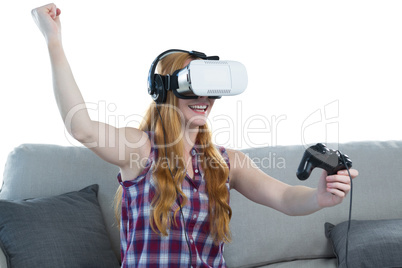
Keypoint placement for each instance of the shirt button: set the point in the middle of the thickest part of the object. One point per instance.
(195, 216)
(196, 171)
(195, 190)
(193, 152)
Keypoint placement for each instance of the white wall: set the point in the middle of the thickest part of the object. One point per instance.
(319, 71)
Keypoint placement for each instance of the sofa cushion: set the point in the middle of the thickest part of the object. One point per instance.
(59, 231)
(375, 243)
(44, 170)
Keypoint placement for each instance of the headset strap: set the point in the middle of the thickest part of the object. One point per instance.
(203, 56)
(172, 80)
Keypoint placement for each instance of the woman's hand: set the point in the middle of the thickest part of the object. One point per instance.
(334, 188)
(48, 21)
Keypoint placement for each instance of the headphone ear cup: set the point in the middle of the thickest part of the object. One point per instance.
(159, 95)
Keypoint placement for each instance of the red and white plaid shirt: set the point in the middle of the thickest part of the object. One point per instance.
(142, 247)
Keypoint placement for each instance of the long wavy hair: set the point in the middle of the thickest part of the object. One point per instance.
(215, 168)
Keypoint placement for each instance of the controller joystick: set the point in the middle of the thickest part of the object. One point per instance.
(320, 156)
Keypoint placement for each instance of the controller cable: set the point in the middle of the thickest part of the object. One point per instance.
(177, 192)
(350, 210)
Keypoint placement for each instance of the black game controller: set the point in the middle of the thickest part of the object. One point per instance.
(320, 156)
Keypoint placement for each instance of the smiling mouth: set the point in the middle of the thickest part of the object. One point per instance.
(199, 108)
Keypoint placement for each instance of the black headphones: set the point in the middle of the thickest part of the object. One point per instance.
(158, 85)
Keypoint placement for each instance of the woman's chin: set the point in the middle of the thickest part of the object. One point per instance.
(198, 122)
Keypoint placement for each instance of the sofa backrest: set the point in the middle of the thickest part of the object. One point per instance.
(262, 236)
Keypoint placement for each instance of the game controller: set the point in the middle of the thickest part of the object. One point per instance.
(320, 156)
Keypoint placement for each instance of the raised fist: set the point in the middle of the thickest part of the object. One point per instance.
(48, 20)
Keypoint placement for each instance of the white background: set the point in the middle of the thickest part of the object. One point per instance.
(319, 71)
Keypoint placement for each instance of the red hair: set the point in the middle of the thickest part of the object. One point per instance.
(215, 168)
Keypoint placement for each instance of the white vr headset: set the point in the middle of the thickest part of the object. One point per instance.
(206, 77)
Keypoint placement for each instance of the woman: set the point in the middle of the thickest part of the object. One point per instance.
(175, 183)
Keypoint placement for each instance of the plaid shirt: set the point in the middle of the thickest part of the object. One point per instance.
(142, 247)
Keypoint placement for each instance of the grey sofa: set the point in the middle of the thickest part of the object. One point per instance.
(262, 237)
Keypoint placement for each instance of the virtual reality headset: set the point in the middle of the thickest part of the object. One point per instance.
(206, 77)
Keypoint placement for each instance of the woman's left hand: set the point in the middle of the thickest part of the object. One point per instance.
(333, 189)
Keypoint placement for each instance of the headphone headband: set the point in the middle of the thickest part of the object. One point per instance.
(155, 82)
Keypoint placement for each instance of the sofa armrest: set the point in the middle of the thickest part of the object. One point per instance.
(3, 260)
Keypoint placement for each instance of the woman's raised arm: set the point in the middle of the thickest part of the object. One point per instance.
(121, 143)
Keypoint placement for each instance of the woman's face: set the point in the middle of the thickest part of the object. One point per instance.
(195, 111)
